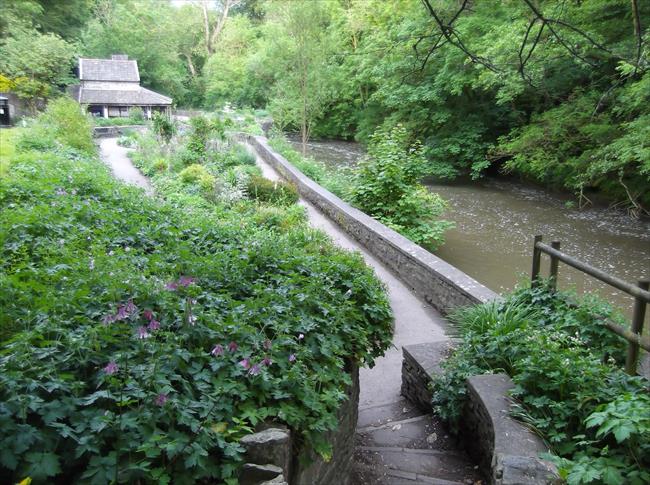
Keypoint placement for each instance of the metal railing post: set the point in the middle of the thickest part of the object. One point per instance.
(537, 257)
(552, 274)
(638, 316)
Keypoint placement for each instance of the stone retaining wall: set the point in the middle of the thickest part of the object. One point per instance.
(507, 451)
(112, 131)
(419, 363)
(439, 283)
(274, 454)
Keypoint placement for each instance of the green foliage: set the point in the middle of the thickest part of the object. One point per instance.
(163, 127)
(62, 122)
(387, 186)
(593, 416)
(119, 311)
(274, 192)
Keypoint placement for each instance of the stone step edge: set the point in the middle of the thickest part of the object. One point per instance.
(414, 451)
(367, 429)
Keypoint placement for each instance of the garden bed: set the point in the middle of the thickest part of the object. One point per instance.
(142, 337)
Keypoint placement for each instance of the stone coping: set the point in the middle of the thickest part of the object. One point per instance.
(107, 131)
(439, 283)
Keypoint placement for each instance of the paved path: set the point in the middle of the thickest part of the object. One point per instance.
(115, 156)
(395, 441)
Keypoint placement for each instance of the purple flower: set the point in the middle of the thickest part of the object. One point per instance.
(148, 314)
(217, 351)
(267, 361)
(106, 319)
(171, 286)
(301, 336)
(130, 307)
(60, 191)
(186, 281)
(161, 399)
(153, 325)
(253, 371)
(121, 313)
(142, 333)
(292, 358)
(232, 346)
(246, 364)
(111, 367)
(267, 344)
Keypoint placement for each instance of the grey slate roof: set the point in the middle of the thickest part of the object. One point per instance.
(108, 70)
(139, 97)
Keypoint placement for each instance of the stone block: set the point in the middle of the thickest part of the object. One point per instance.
(254, 474)
(269, 446)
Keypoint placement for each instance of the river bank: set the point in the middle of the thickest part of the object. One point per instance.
(496, 221)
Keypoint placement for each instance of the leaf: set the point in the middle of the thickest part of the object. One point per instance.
(43, 465)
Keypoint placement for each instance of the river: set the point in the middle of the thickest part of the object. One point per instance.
(496, 221)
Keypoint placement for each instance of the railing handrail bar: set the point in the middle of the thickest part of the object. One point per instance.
(622, 285)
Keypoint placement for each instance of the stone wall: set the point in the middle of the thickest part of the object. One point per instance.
(439, 283)
(419, 363)
(507, 451)
(112, 131)
(273, 455)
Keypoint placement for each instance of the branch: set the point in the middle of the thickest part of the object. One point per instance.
(447, 30)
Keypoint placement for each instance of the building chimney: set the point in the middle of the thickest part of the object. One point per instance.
(119, 57)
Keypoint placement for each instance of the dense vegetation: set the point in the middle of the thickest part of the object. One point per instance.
(568, 382)
(141, 337)
(555, 91)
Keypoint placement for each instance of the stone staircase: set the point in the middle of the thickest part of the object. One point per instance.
(402, 442)
(397, 444)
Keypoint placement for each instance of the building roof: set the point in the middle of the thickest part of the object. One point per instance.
(131, 97)
(108, 70)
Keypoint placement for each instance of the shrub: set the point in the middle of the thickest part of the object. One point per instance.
(387, 186)
(197, 174)
(136, 116)
(163, 127)
(554, 351)
(141, 339)
(63, 123)
(273, 192)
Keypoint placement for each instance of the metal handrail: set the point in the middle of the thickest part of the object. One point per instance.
(639, 292)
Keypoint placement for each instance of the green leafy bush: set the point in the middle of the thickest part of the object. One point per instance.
(273, 192)
(141, 338)
(197, 174)
(62, 123)
(387, 186)
(555, 352)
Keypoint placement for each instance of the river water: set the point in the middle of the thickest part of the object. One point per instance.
(496, 221)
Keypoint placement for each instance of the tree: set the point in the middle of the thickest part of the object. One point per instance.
(299, 39)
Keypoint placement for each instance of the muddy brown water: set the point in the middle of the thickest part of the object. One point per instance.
(496, 221)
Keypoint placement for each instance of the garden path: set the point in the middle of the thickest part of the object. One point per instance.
(115, 156)
(396, 443)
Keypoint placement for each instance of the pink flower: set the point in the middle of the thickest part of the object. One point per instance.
(267, 361)
(292, 358)
(106, 319)
(186, 281)
(161, 399)
(171, 286)
(142, 333)
(217, 350)
(111, 367)
(255, 370)
(232, 346)
(121, 313)
(148, 314)
(130, 307)
(267, 344)
(153, 325)
(246, 364)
